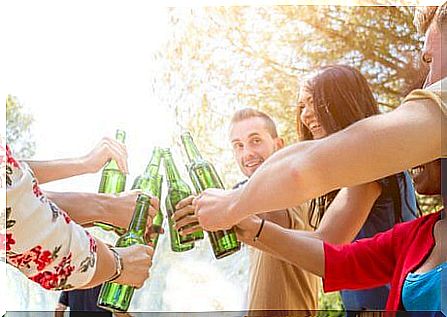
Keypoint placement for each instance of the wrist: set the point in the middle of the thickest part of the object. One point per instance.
(118, 260)
(86, 165)
(248, 228)
(236, 209)
(259, 231)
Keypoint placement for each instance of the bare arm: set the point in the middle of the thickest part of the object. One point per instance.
(289, 245)
(83, 208)
(106, 149)
(247, 229)
(47, 171)
(186, 223)
(86, 208)
(347, 213)
(369, 149)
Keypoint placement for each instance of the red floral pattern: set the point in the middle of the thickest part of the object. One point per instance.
(9, 241)
(36, 189)
(92, 242)
(48, 262)
(66, 216)
(58, 279)
(64, 269)
(9, 159)
(47, 279)
(35, 255)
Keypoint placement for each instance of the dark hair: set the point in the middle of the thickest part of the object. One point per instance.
(341, 96)
(247, 113)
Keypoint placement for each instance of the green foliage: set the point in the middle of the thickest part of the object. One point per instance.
(219, 59)
(18, 129)
(429, 204)
(330, 304)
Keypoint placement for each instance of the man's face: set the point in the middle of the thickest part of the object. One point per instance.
(427, 178)
(252, 144)
(433, 55)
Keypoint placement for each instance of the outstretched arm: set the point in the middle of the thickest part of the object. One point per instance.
(369, 149)
(286, 244)
(106, 149)
(363, 264)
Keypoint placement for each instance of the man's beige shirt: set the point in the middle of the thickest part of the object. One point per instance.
(278, 285)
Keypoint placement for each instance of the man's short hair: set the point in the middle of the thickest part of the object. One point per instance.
(424, 16)
(248, 113)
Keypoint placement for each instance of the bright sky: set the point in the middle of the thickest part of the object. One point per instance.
(83, 69)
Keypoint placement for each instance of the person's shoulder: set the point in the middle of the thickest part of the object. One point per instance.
(426, 221)
(435, 92)
(440, 85)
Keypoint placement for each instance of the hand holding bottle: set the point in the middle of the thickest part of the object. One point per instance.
(119, 209)
(186, 221)
(216, 209)
(104, 151)
(137, 259)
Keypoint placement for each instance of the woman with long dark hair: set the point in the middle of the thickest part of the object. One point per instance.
(331, 100)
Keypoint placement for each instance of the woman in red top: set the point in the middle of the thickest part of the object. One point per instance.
(388, 257)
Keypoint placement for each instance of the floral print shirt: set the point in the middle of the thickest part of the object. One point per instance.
(41, 239)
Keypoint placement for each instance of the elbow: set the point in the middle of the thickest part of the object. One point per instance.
(307, 178)
(296, 173)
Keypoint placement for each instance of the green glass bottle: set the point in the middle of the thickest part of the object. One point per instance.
(117, 297)
(177, 191)
(151, 182)
(157, 222)
(203, 175)
(176, 245)
(113, 181)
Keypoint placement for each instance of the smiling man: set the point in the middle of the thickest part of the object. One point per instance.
(274, 283)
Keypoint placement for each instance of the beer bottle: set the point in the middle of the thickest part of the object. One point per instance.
(177, 191)
(203, 176)
(117, 297)
(151, 182)
(113, 181)
(157, 222)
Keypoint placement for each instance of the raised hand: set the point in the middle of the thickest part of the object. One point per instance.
(104, 151)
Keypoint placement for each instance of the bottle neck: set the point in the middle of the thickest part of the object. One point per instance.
(191, 149)
(140, 214)
(120, 136)
(171, 170)
(154, 164)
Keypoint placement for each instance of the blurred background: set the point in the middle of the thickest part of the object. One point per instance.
(76, 72)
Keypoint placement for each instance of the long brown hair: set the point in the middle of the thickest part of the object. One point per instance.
(341, 96)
